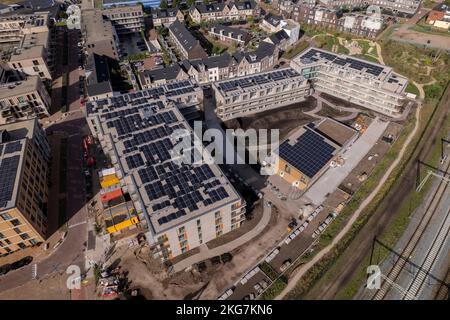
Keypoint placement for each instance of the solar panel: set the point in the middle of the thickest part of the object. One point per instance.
(8, 171)
(13, 147)
(308, 154)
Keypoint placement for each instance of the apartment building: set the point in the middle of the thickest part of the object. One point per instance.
(271, 23)
(24, 172)
(99, 35)
(184, 41)
(260, 92)
(165, 17)
(179, 206)
(23, 100)
(327, 18)
(228, 34)
(125, 19)
(238, 10)
(370, 85)
(215, 68)
(144, 3)
(406, 7)
(24, 40)
(14, 28)
(157, 77)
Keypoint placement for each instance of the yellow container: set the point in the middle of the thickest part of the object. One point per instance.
(109, 180)
(123, 224)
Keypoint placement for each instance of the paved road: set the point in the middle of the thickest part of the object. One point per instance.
(71, 250)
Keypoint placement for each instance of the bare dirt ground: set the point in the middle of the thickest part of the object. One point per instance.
(285, 119)
(354, 255)
(151, 277)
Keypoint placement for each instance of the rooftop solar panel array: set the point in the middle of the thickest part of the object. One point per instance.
(145, 127)
(316, 55)
(8, 171)
(308, 154)
(257, 79)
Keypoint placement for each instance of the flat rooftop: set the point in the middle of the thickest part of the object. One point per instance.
(307, 151)
(335, 131)
(142, 126)
(17, 88)
(257, 81)
(389, 80)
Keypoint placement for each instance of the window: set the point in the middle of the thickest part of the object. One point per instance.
(36, 69)
(6, 216)
(41, 74)
(35, 62)
(15, 222)
(21, 245)
(25, 236)
(33, 242)
(17, 230)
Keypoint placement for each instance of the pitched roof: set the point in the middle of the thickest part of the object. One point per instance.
(164, 13)
(278, 37)
(183, 35)
(273, 20)
(168, 73)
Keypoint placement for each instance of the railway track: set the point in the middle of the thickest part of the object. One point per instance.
(403, 259)
(418, 282)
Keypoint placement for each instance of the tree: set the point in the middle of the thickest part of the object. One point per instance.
(206, 1)
(163, 4)
(189, 3)
(175, 3)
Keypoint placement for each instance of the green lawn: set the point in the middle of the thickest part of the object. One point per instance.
(98, 3)
(411, 88)
(299, 47)
(366, 57)
(430, 30)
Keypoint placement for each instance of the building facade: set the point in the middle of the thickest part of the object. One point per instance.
(23, 100)
(126, 19)
(24, 172)
(214, 68)
(248, 95)
(223, 11)
(228, 34)
(180, 206)
(184, 41)
(24, 40)
(370, 85)
(165, 17)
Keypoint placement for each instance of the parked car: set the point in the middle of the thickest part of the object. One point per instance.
(4, 269)
(21, 263)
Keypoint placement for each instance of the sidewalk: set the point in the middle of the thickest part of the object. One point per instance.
(206, 253)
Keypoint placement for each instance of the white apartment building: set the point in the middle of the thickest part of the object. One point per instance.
(180, 206)
(260, 92)
(23, 100)
(370, 85)
(408, 7)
